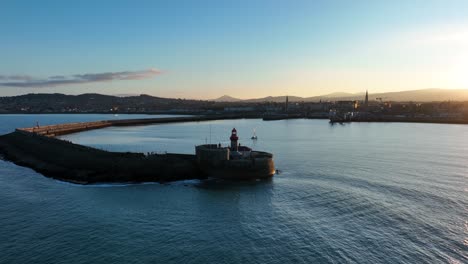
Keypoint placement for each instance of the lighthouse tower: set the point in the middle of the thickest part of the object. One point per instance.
(234, 139)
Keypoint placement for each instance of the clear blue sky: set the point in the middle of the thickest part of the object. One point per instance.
(204, 49)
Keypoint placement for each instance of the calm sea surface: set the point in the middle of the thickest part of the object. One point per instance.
(354, 193)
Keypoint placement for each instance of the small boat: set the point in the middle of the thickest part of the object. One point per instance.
(254, 137)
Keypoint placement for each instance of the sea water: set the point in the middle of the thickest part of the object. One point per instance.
(353, 193)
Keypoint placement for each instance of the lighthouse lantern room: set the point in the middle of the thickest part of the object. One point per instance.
(234, 138)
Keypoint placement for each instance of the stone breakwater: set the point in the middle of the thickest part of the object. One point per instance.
(38, 149)
(69, 128)
(70, 162)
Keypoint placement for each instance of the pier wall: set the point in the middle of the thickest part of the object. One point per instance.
(66, 161)
(69, 128)
(211, 154)
(39, 149)
(62, 129)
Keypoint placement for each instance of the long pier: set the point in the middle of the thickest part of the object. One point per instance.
(69, 128)
(39, 149)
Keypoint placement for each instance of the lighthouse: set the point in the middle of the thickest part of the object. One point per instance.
(234, 139)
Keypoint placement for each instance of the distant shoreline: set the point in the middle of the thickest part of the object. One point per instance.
(196, 116)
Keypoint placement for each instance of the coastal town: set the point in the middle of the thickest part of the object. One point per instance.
(368, 108)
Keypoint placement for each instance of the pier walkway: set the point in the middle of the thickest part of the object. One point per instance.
(69, 128)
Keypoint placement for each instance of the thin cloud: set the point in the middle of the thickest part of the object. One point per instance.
(24, 81)
(16, 78)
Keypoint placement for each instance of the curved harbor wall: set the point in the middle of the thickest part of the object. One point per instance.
(37, 148)
(80, 164)
(63, 129)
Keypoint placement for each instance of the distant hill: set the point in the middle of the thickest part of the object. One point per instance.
(275, 99)
(326, 97)
(341, 94)
(424, 95)
(125, 95)
(44, 103)
(227, 98)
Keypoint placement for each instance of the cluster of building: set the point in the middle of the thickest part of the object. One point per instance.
(364, 108)
(94, 103)
(380, 108)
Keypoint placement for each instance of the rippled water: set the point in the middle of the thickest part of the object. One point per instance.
(367, 193)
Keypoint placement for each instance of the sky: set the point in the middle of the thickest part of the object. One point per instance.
(245, 49)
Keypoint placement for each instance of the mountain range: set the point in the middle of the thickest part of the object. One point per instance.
(424, 95)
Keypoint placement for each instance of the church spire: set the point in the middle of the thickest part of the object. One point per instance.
(366, 101)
